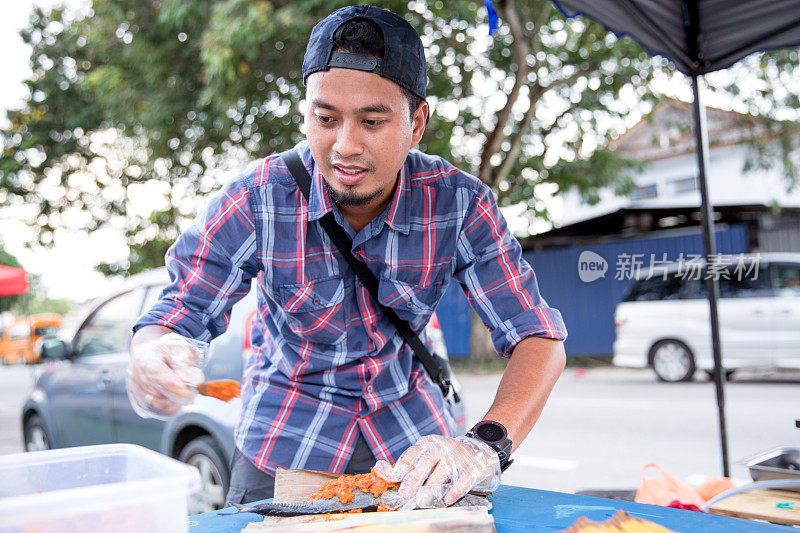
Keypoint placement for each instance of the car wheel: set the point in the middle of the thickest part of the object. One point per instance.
(673, 361)
(36, 435)
(204, 454)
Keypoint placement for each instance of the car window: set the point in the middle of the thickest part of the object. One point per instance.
(786, 279)
(733, 283)
(108, 329)
(744, 283)
(45, 330)
(655, 288)
(693, 288)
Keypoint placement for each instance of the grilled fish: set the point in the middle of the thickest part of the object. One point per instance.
(361, 500)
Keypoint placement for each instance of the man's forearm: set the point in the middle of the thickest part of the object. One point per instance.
(532, 371)
(147, 333)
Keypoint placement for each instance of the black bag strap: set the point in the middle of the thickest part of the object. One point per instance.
(343, 243)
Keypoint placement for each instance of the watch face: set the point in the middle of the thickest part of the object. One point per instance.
(490, 432)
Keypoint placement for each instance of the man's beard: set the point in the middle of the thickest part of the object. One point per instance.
(348, 199)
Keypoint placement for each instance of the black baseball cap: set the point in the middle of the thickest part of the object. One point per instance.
(403, 59)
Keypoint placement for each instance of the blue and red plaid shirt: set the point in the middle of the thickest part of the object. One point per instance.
(326, 363)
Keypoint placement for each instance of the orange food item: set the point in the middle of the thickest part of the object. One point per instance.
(329, 517)
(621, 522)
(343, 486)
(222, 389)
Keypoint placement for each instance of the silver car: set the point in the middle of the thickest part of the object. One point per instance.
(80, 398)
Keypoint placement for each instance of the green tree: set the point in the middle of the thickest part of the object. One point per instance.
(41, 302)
(156, 100)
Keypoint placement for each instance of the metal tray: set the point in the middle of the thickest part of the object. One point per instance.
(782, 462)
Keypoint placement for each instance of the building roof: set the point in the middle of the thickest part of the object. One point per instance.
(637, 221)
(668, 131)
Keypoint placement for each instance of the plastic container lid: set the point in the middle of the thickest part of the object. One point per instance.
(114, 487)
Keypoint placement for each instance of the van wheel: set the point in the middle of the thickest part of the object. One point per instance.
(36, 435)
(204, 454)
(672, 361)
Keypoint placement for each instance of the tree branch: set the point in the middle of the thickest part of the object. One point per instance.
(512, 155)
(544, 14)
(536, 93)
(507, 12)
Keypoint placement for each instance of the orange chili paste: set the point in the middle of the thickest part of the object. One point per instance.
(343, 487)
(223, 389)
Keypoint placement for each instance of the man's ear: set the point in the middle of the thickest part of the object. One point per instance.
(419, 122)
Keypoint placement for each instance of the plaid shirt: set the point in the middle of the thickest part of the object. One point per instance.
(326, 363)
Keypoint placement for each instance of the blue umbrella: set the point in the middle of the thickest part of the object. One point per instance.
(700, 36)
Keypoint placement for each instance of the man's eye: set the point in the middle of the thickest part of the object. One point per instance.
(324, 120)
(373, 122)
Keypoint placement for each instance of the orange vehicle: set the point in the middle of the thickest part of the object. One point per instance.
(17, 345)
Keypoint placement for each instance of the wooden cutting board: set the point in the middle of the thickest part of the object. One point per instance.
(294, 486)
(449, 520)
(778, 506)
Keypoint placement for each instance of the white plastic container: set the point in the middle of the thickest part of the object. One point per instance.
(111, 487)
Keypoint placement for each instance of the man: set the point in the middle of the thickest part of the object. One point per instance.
(331, 385)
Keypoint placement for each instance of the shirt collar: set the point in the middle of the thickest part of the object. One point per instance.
(398, 217)
(320, 203)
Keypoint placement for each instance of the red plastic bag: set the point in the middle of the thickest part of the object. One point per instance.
(666, 489)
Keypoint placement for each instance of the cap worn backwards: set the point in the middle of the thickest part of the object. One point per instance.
(403, 61)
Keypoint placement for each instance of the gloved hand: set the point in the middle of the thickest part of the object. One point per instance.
(438, 470)
(163, 374)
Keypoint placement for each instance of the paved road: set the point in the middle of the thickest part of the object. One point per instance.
(16, 383)
(598, 429)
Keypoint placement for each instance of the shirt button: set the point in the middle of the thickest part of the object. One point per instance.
(316, 301)
(369, 388)
(409, 304)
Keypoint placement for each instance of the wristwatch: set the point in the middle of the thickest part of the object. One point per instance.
(495, 435)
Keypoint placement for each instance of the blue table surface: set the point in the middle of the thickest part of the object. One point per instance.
(520, 509)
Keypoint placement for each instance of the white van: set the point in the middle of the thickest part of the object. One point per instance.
(663, 318)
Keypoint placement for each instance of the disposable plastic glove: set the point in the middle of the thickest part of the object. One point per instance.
(437, 471)
(163, 375)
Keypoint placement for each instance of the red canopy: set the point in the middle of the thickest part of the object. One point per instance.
(13, 281)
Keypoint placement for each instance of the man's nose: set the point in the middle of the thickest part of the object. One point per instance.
(348, 139)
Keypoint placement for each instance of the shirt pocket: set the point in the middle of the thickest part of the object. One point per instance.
(411, 302)
(314, 310)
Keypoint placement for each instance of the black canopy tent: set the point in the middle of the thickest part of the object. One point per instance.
(700, 36)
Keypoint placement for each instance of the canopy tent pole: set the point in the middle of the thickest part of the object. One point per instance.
(709, 247)
(716, 36)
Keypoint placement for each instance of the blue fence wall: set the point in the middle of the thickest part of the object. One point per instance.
(588, 307)
(454, 318)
